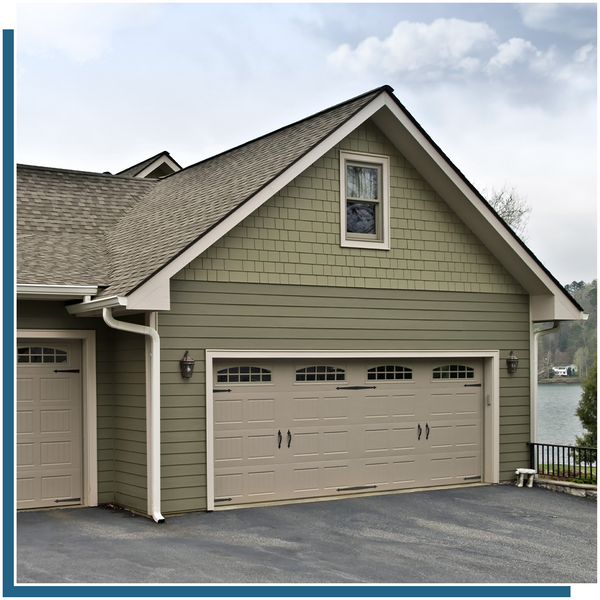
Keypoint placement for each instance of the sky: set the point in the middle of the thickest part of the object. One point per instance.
(508, 91)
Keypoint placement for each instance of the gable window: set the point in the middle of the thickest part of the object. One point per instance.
(364, 215)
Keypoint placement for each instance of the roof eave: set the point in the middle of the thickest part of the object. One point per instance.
(34, 291)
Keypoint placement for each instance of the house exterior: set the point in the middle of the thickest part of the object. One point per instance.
(348, 297)
(565, 370)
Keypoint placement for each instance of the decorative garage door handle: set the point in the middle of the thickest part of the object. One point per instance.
(357, 387)
(420, 431)
(279, 437)
(289, 438)
(427, 431)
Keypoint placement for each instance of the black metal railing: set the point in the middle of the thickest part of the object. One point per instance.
(564, 462)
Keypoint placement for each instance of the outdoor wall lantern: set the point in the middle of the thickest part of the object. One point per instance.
(512, 362)
(187, 365)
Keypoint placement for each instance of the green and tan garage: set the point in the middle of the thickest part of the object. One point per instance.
(350, 300)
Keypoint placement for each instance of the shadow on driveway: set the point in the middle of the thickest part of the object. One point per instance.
(481, 534)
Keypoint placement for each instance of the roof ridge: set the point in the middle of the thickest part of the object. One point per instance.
(77, 172)
(374, 92)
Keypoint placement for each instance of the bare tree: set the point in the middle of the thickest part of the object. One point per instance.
(513, 208)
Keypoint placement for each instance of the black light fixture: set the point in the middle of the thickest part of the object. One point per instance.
(512, 362)
(187, 365)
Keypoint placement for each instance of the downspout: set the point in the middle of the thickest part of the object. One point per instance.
(534, 375)
(152, 410)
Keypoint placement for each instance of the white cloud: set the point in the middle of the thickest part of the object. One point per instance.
(423, 50)
(515, 50)
(584, 53)
(575, 20)
(76, 32)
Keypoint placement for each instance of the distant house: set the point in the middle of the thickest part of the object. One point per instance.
(348, 297)
(565, 370)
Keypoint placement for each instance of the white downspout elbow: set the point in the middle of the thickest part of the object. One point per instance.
(152, 410)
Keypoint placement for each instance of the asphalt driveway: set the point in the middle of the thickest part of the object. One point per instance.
(484, 534)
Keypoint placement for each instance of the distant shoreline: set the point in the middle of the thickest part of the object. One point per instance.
(554, 380)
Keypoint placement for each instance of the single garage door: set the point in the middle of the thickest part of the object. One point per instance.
(291, 429)
(49, 443)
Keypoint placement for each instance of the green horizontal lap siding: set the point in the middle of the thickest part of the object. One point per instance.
(52, 315)
(130, 419)
(236, 317)
(294, 238)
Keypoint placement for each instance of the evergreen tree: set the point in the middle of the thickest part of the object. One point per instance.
(587, 411)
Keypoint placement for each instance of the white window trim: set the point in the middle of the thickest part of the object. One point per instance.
(383, 242)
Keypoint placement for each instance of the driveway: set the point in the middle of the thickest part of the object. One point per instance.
(482, 534)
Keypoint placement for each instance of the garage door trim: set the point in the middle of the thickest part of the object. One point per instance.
(491, 394)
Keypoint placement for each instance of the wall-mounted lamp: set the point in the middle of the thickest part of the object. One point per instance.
(512, 362)
(187, 365)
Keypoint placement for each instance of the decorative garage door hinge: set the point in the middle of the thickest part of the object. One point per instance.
(68, 500)
(222, 499)
(472, 385)
(473, 477)
(357, 387)
(217, 391)
(66, 370)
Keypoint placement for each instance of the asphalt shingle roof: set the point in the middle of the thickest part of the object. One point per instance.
(82, 228)
(62, 220)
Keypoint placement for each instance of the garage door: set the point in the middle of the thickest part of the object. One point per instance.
(300, 429)
(49, 444)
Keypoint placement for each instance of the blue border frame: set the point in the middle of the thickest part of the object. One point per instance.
(8, 303)
(8, 516)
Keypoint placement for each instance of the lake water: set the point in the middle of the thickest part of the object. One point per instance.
(556, 406)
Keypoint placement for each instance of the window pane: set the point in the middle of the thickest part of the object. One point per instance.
(360, 218)
(361, 182)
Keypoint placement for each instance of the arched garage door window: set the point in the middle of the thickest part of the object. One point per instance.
(320, 373)
(454, 372)
(389, 372)
(41, 354)
(244, 374)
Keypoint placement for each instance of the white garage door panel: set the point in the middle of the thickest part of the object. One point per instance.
(282, 439)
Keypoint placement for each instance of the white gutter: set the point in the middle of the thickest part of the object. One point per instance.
(152, 410)
(534, 377)
(31, 289)
(98, 304)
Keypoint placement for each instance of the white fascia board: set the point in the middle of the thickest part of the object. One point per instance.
(158, 286)
(96, 305)
(425, 157)
(58, 292)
